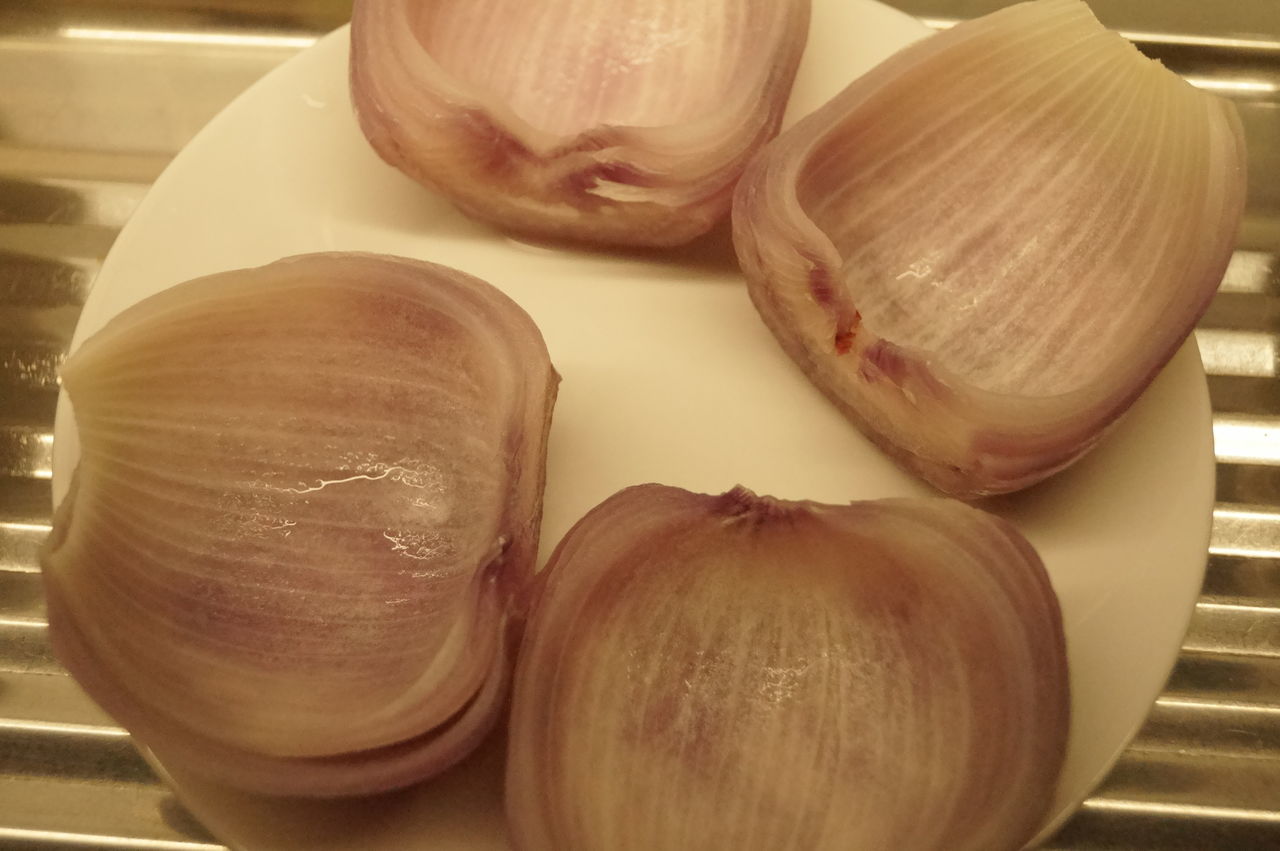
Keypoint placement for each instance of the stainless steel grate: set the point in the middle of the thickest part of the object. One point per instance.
(96, 97)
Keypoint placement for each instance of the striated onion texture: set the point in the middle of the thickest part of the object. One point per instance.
(987, 247)
(304, 516)
(606, 121)
(743, 672)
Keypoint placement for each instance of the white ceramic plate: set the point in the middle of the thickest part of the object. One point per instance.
(669, 376)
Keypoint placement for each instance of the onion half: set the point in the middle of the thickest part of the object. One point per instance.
(742, 672)
(304, 519)
(597, 120)
(986, 248)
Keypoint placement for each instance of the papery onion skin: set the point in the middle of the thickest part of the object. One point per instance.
(588, 120)
(986, 248)
(743, 672)
(298, 541)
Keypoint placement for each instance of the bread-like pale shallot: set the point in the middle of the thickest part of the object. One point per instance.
(605, 121)
(987, 247)
(305, 513)
(742, 672)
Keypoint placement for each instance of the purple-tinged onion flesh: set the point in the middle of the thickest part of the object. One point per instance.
(743, 672)
(987, 247)
(603, 121)
(304, 519)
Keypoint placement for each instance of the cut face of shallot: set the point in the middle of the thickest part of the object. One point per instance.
(986, 248)
(597, 120)
(304, 518)
(742, 672)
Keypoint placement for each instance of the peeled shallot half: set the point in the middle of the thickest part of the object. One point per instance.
(987, 247)
(304, 519)
(606, 121)
(736, 671)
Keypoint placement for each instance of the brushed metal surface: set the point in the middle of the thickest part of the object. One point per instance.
(95, 97)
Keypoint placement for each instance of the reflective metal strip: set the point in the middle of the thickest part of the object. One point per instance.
(85, 840)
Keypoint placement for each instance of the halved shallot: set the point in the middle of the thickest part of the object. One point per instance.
(984, 249)
(304, 516)
(742, 672)
(600, 120)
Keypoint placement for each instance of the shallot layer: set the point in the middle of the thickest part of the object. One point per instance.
(987, 247)
(304, 518)
(743, 672)
(606, 121)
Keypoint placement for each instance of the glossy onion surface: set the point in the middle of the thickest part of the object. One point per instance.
(305, 510)
(606, 121)
(742, 672)
(986, 248)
